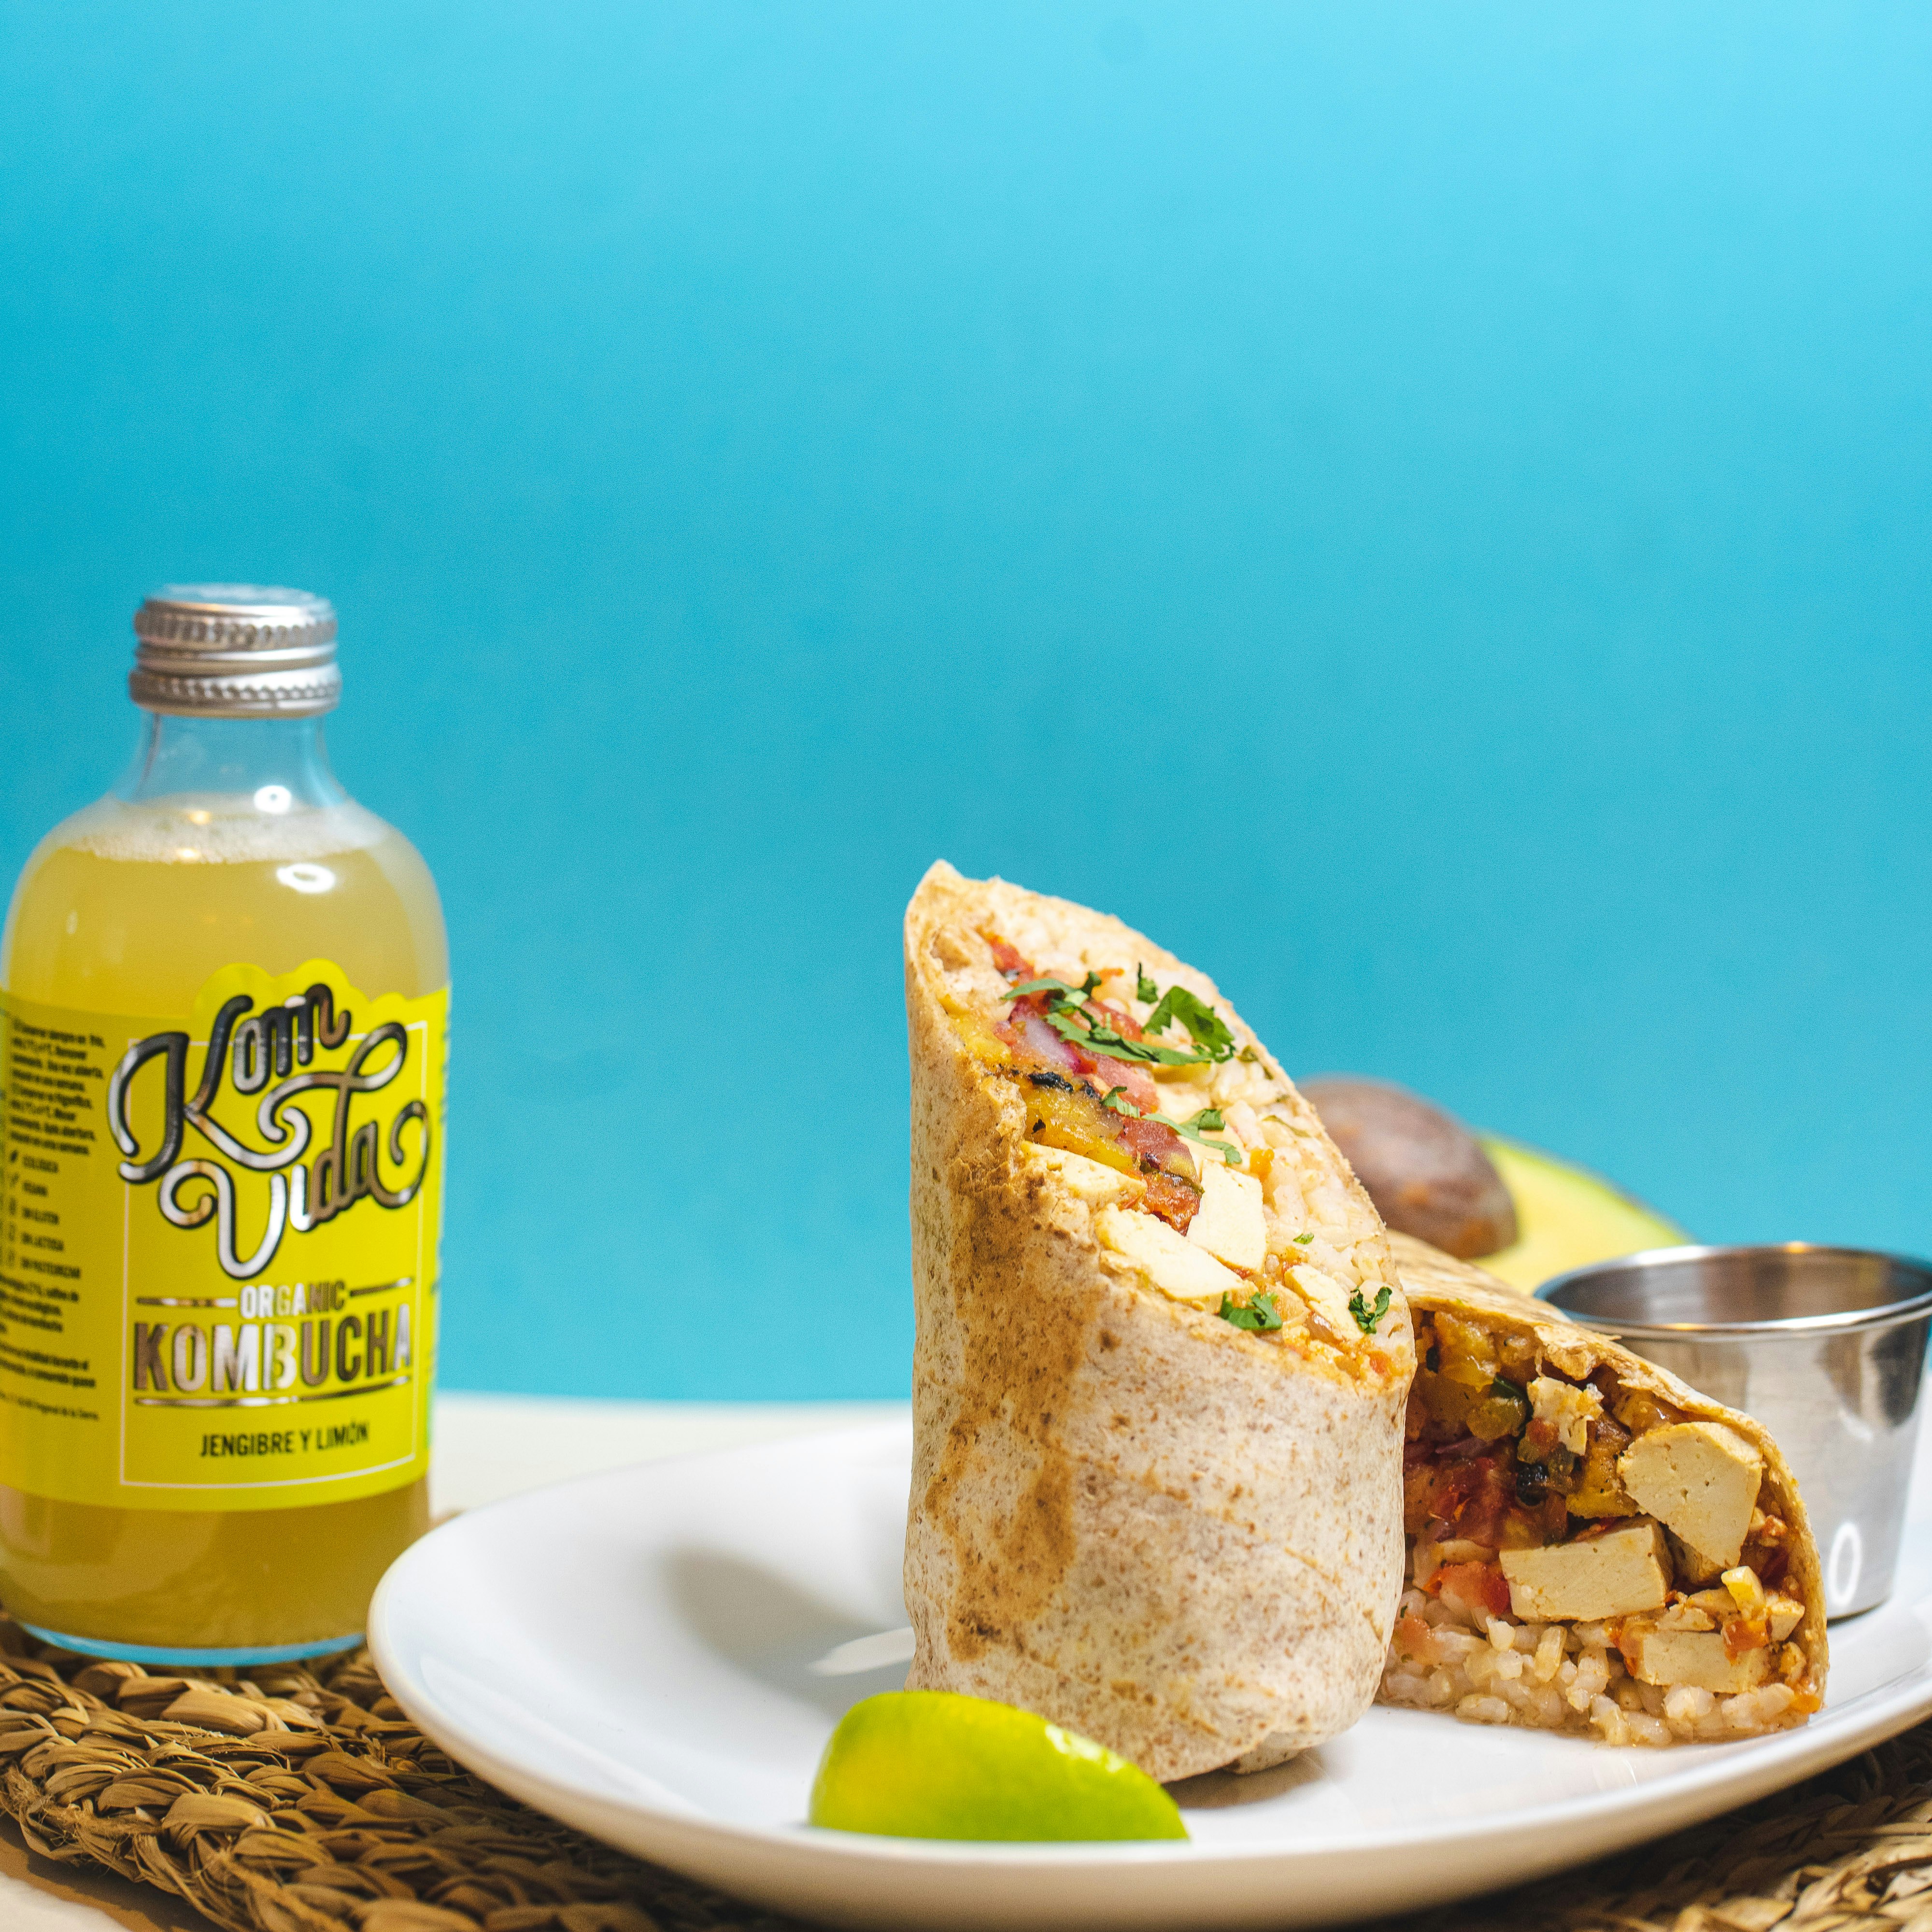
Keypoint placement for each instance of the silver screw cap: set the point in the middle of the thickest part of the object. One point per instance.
(236, 650)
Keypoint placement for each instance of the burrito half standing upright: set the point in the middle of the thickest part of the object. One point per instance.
(1162, 1351)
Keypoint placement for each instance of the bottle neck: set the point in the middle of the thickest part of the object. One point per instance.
(279, 764)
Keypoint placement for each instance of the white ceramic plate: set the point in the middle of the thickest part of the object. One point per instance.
(635, 1653)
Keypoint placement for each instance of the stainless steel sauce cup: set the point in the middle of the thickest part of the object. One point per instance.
(1825, 1346)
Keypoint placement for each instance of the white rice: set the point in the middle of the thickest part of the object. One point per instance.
(1561, 1677)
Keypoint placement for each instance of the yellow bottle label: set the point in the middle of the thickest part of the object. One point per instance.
(218, 1244)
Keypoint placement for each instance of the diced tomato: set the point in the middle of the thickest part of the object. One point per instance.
(1175, 1200)
(1161, 1146)
(1122, 1022)
(1472, 1587)
(1104, 1075)
(1476, 1496)
(1496, 1590)
(1008, 959)
(1480, 1519)
(1415, 1638)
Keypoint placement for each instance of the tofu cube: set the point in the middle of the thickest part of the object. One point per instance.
(1229, 1223)
(1327, 1302)
(1695, 1657)
(1691, 1568)
(1172, 1262)
(1700, 1479)
(1624, 1571)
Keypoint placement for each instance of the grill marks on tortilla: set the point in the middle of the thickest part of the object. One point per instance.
(1020, 1376)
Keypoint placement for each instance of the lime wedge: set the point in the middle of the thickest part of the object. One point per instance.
(929, 1764)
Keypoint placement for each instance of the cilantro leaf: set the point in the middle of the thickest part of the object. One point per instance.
(1116, 1102)
(1302, 1240)
(1261, 1315)
(1097, 1037)
(1212, 1038)
(1210, 1032)
(1145, 989)
(1073, 996)
(1190, 1130)
(1207, 1118)
(1365, 1317)
(1071, 1023)
(1156, 1055)
(1163, 1012)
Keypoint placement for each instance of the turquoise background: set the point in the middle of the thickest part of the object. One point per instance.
(1424, 508)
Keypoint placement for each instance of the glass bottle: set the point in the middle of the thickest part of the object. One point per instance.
(223, 999)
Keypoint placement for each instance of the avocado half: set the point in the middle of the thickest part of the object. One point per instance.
(1566, 1217)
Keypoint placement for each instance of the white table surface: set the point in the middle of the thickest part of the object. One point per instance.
(487, 1447)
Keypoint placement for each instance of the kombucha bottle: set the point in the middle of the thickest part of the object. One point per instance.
(223, 1005)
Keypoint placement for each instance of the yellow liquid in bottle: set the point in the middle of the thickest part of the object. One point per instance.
(129, 909)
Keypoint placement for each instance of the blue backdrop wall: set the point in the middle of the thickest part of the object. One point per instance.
(1424, 507)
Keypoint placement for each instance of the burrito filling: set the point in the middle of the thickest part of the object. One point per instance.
(1584, 1557)
(1201, 1170)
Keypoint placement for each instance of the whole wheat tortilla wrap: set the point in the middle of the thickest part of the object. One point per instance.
(1162, 1356)
(1593, 1546)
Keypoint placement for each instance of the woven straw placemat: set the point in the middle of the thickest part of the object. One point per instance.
(299, 1801)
